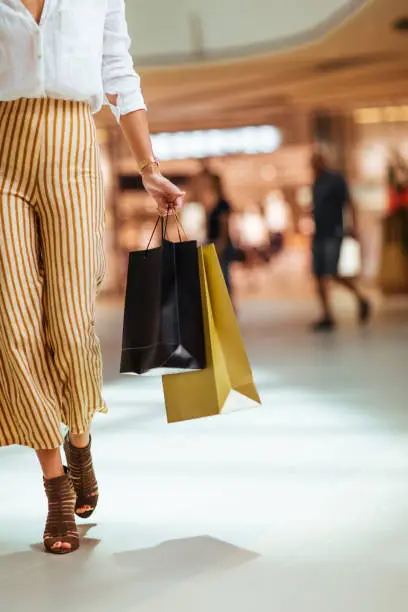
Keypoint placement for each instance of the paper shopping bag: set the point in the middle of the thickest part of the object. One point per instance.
(350, 258)
(200, 394)
(163, 325)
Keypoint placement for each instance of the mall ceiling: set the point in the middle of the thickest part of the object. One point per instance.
(348, 57)
(187, 31)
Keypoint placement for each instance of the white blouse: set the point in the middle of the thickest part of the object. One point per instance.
(79, 51)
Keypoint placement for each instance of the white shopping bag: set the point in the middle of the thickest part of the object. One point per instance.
(350, 258)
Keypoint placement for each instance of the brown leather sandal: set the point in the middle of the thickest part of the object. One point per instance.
(60, 526)
(82, 476)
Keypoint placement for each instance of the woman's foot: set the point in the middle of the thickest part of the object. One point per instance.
(61, 533)
(83, 477)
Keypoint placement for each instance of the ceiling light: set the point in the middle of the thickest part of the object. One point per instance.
(214, 143)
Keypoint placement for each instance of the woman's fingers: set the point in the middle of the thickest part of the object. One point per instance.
(179, 202)
(168, 196)
(170, 206)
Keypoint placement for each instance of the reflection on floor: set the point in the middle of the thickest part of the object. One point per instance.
(298, 506)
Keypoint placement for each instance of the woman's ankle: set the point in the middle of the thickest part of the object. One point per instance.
(51, 463)
(80, 440)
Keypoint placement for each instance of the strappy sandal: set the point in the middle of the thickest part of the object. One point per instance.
(60, 526)
(82, 476)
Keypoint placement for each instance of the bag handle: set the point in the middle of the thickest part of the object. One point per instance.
(164, 225)
(180, 227)
(153, 233)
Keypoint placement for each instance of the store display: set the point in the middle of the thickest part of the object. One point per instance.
(397, 181)
(393, 278)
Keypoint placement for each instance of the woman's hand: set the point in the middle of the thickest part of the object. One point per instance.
(169, 198)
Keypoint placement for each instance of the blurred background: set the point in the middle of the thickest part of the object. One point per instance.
(247, 94)
(301, 504)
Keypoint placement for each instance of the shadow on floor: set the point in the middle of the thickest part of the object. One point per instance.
(125, 579)
(179, 560)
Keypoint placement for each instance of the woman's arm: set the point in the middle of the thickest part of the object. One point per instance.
(135, 127)
(354, 219)
(122, 89)
(121, 84)
(352, 209)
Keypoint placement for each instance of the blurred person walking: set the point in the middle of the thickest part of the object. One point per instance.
(331, 198)
(62, 58)
(218, 211)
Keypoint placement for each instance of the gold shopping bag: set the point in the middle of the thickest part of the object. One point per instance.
(201, 394)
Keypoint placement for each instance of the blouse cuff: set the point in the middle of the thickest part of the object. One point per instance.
(128, 103)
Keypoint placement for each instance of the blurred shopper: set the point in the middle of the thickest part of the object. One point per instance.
(397, 181)
(51, 232)
(331, 199)
(275, 212)
(218, 211)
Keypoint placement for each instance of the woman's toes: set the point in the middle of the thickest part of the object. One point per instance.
(66, 546)
(84, 509)
(56, 546)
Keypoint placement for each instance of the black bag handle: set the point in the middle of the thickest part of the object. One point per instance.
(180, 227)
(164, 229)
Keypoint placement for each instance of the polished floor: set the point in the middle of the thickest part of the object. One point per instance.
(297, 506)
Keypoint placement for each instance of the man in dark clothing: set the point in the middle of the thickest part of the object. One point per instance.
(330, 200)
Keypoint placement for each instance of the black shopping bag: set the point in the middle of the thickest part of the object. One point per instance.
(163, 329)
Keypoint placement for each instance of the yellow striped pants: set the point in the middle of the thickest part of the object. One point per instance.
(51, 266)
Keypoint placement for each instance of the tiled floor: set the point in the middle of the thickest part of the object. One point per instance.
(298, 506)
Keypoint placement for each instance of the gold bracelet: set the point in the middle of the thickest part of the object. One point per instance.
(146, 163)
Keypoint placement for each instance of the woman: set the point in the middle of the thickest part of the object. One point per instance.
(218, 212)
(58, 59)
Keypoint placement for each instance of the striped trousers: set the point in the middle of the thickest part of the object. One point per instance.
(51, 266)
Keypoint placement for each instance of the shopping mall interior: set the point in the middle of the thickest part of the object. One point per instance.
(300, 504)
